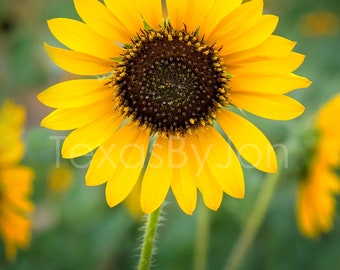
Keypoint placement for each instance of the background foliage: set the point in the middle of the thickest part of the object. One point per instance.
(73, 228)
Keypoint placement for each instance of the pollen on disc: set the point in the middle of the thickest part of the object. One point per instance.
(170, 81)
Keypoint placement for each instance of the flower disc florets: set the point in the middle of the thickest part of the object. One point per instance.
(170, 82)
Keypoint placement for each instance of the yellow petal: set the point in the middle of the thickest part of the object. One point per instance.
(268, 83)
(223, 163)
(219, 10)
(79, 63)
(100, 19)
(12, 114)
(197, 13)
(274, 47)
(249, 39)
(277, 107)
(316, 202)
(289, 63)
(238, 21)
(71, 118)
(212, 193)
(15, 231)
(177, 10)
(75, 93)
(332, 182)
(249, 141)
(12, 117)
(325, 121)
(304, 211)
(151, 11)
(127, 13)
(107, 156)
(16, 185)
(183, 184)
(11, 152)
(79, 37)
(157, 177)
(83, 140)
(128, 169)
(328, 148)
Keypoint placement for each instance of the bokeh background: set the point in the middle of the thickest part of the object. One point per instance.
(73, 228)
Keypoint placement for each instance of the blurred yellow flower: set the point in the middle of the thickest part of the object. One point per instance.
(168, 79)
(60, 178)
(11, 124)
(320, 24)
(316, 196)
(15, 182)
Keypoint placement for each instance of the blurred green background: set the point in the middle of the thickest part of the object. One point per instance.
(73, 228)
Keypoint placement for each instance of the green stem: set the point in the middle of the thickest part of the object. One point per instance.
(148, 241)
(254, 221)
(202, 237)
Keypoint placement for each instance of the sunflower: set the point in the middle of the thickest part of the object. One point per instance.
(316, 196)
(168, 82)
(15, 182)
(320, 24)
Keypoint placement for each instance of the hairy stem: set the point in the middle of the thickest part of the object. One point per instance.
(149, 239)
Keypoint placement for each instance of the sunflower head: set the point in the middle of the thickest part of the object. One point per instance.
(316, 196)
(170, 81)
(169, 76)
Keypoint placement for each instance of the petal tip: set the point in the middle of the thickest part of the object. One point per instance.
(300, 109)
(189, 210)
(40, 97)
(51, 22)
(308, 82)
(274, 168)
(43, 123)
(147, 209)
(113, 201)
(214, 207)
(238, 194)
(67, 152)
(88, 179)
(272, 164)
(190, 213)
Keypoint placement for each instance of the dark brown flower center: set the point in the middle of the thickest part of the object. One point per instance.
(170, 81)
